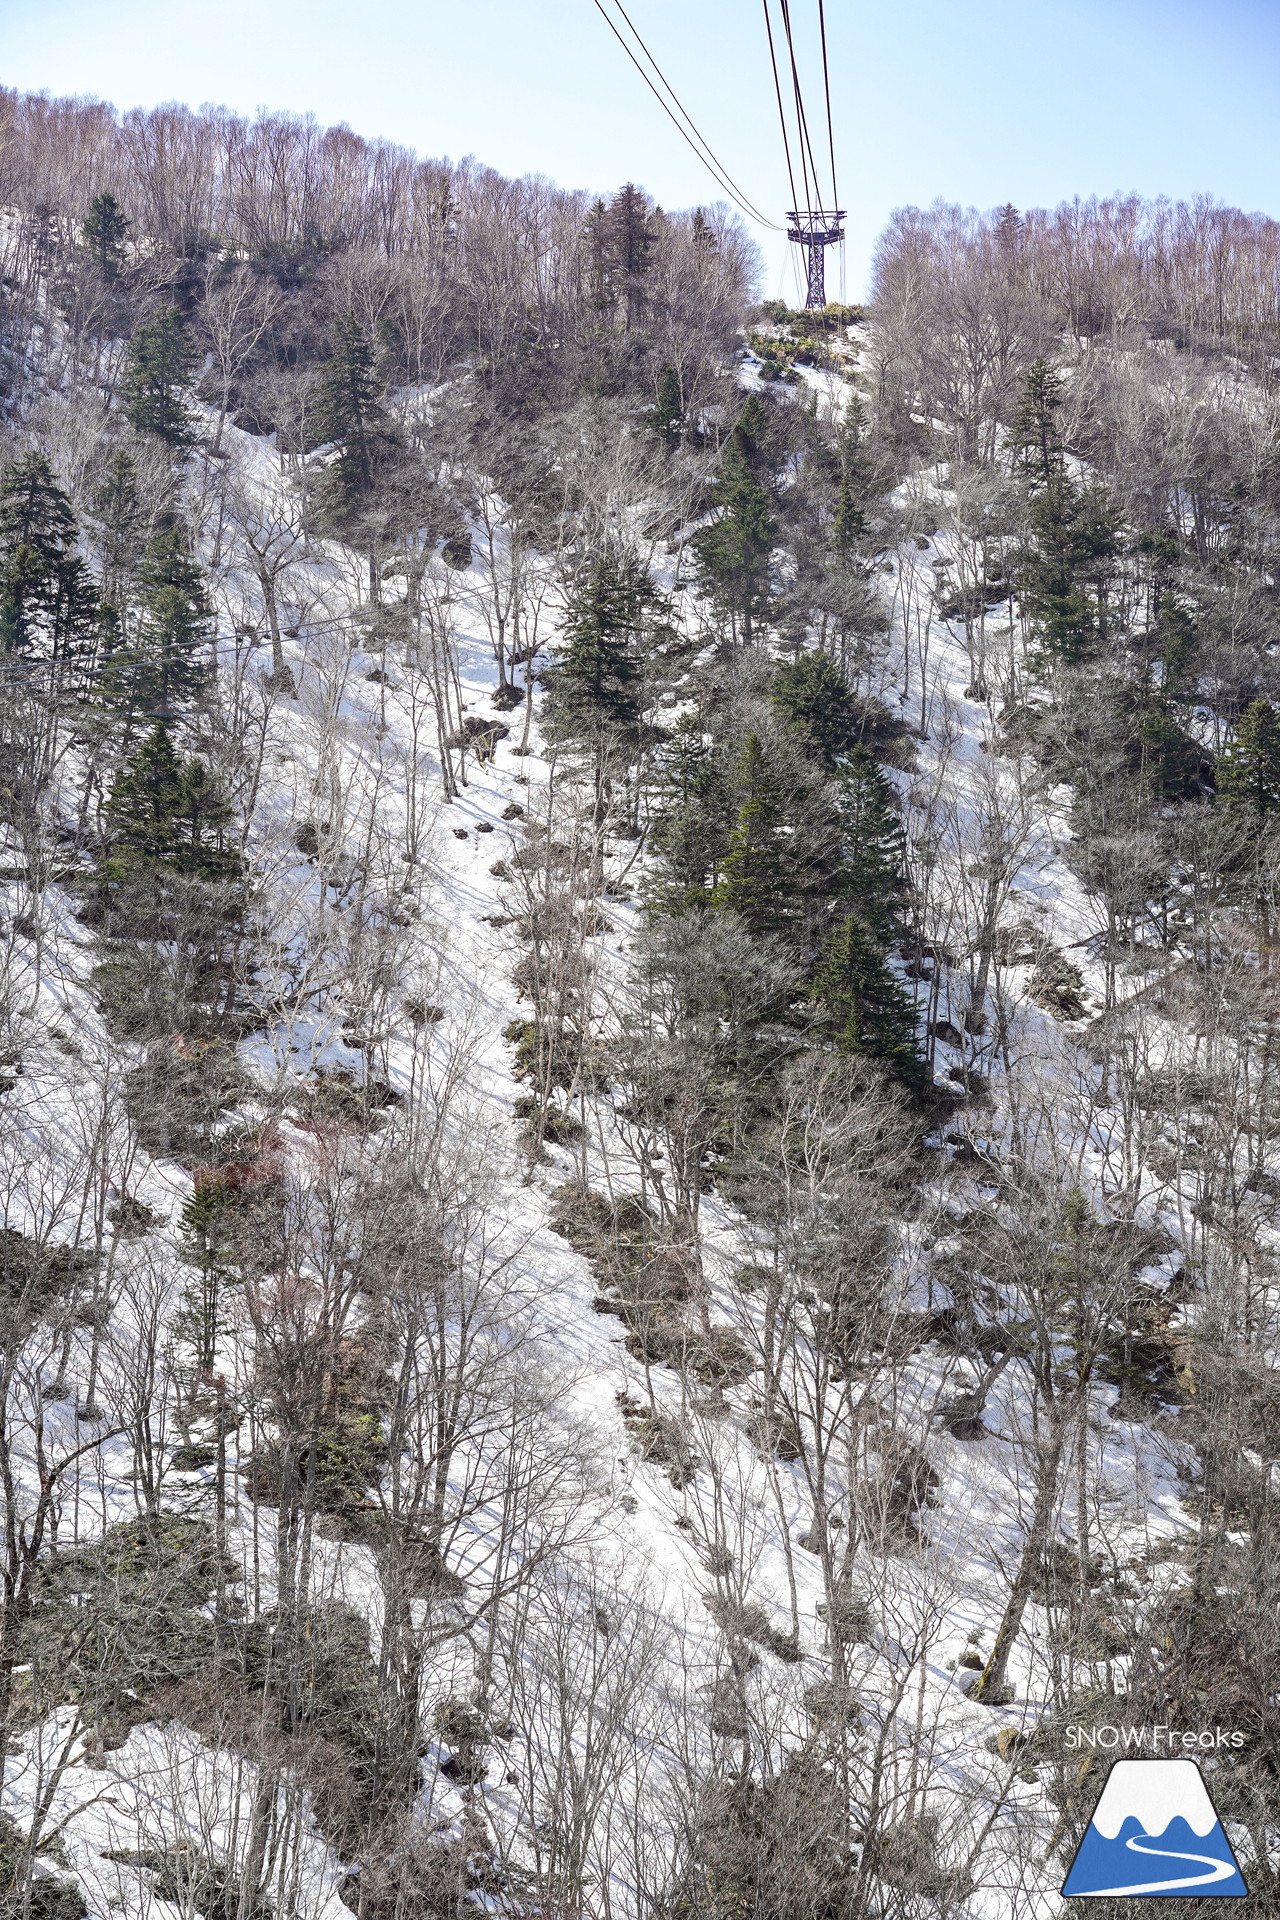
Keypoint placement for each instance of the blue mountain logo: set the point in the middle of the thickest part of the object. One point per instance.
(1154, 1830)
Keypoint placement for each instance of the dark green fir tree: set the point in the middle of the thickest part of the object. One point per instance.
(872, 875)
(350, 414)
(599, 267)
(703, 234)
(119, 521)
(597, 677)
(48, 605)
(1035, 435)
(1066, 573)
(863, 1003)
(1248, 773)
(161, 661)
(692, 819)
(759, 878)
(853, 483)
(166, 815)
(734, 550)
(1172, 757)
(666, 418)
(630, 237)
(157, 380)
(814, 697)
(102, 233)
(861, 1000)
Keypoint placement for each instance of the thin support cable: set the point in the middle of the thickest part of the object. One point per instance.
(807, 165)
(721, 170)
(826, 88)
(705, 155)
(782, 116)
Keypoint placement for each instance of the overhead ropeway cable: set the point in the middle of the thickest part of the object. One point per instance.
(813, 223)
(782, 112)
(676, 112)
(808, 165)
(826, 90)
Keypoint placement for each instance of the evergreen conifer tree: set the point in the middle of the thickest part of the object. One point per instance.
(666, 417)
(166, 815)
(350, 413)
(1179, 644)
(861, 999)
(1066, 574)
(864, 1003)
(159, 663)
(157, 380)
(1249, 771)
(1035, 436)
(813, 696)
(48, 606)
(630, 238)
(102, 231)
(1066, 581)
(751, 433)
(873, 879)
(692, 819)
(733, 551)
(703, 233)
(171, 901)
(758, 883)
(850, 523)
(1171, 756)
(119, 520)
(1009, 229)
(598, 263)
(596, 680)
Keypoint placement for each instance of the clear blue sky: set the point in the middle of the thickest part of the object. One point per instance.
(978, 101)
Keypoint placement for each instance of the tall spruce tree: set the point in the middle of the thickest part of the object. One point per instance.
(1009, 229)
(597, 676)
(102, 235)
(692, 821)
(852, 484)
(630, 238)
(1172, 757)
(165, 814)
(1249, 771)
(1035, 434)
(733, 552)
(598, 262)
(759, 878)
(171, 904)
(666, 418)
(350, 414)
(157, 380)
(814, 697)
(119, 520)
(160, 661)
(873, 876)
(703, 234)
(1065, 575)
(862, 1002)
(48, 605)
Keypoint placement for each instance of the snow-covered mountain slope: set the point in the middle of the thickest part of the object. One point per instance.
(677, 1601)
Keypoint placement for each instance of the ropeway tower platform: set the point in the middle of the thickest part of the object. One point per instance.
(815, 229)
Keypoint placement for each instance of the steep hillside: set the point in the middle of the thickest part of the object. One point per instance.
(637, 1098)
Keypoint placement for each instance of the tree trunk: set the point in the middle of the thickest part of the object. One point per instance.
(992, 1681)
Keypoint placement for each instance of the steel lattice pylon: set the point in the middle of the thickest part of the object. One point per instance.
(815, 229)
